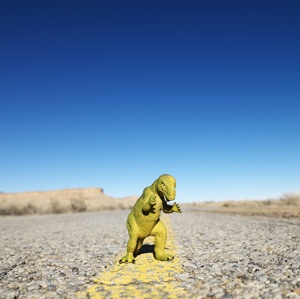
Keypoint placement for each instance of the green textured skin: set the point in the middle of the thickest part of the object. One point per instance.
(144, 218)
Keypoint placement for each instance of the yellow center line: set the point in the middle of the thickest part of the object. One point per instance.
(147, 278)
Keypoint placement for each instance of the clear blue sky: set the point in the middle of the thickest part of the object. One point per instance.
(112, 94)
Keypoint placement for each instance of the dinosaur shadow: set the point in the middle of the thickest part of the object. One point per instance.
(146, 248)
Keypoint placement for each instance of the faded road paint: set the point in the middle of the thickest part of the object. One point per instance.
(147, 278)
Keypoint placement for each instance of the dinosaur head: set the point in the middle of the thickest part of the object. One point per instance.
(166, 185)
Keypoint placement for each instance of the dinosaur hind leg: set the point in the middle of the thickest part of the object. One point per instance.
(133, 240)
(138, 246)
(131, 245)
(160, 237)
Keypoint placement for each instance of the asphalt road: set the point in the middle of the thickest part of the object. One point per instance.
(217, 256)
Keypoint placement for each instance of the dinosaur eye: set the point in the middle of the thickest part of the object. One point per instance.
(163, 183)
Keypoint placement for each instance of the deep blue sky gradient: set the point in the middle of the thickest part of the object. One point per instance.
(114, 93)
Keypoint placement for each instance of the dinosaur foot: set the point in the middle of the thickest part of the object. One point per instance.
(164, 257)
(128, 258)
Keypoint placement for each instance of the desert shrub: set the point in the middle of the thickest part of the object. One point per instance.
(267, 202)
(58, 206)
(78, 205)
(292, 199)
(29, 208)
(7, 210)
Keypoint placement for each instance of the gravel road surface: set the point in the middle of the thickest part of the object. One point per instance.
(223, 256)
(228, 256)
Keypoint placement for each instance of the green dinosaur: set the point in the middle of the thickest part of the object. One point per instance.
(144, 218)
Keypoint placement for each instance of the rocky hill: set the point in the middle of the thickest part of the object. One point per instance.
(61, 201)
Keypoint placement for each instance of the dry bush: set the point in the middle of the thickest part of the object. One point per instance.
(291, 199)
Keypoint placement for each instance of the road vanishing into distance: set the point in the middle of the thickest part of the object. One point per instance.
(216, 256)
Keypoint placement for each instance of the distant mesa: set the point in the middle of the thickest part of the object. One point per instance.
(61, 201)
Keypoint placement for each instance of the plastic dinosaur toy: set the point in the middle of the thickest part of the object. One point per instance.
(144, 218)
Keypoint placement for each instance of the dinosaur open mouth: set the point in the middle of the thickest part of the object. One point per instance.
(166, 199)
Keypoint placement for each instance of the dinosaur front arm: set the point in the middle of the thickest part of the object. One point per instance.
(170, 209)
(148, 203)
(167, 209)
